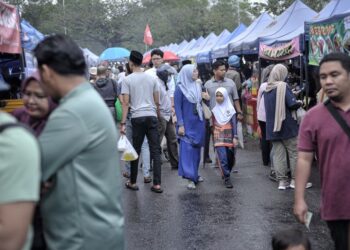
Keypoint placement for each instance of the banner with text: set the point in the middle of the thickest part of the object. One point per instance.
(327, 37)
(281, 51)
(10, 40)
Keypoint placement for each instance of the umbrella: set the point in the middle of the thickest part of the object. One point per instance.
(168, 56)
(115, 54)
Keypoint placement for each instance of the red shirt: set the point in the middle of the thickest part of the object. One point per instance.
(320, 133)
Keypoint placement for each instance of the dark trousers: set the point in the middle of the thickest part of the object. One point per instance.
(226, 157)
(141, 127)
(207, 140)
(340, 231)
(264, 144)
(167, 129)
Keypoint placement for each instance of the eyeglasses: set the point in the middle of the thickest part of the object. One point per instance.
(37, 97)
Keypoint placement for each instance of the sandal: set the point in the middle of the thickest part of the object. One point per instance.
(147, 179)
(156, 190)
(126, 175)
(130, 186)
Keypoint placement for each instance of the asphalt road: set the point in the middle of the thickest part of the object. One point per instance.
(213, 217)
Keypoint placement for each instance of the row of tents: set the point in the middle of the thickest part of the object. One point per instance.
(283, 37)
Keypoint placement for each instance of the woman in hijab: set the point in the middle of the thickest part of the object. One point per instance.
(225, 134)
(37, 105)
(281, 127)
(265, 145)
(35, 113)
(190, 123)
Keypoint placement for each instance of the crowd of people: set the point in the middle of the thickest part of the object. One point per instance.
(67, 136)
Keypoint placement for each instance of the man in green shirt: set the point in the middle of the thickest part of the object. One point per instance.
(82, 209)
(19, 182)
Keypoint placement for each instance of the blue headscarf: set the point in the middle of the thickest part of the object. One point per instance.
(190, 89)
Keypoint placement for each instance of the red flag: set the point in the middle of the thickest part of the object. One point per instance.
(10, 40)
(147, 36)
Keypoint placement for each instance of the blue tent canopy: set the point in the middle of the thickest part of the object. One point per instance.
(181, 46)
(30, 36)
(221, 47)
(294, 17)
(188, 45)
(198, 43)
(234, 46)
(209, 40)
(115, 54)
(290, 20)
(204, 56)
(334, 7)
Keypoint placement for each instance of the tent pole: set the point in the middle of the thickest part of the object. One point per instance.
(307, 84)
(259, 71)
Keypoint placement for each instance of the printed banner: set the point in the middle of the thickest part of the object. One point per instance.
(10, 40)
(280, 51)
(329, 37)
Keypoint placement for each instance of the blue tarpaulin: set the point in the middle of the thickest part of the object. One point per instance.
(30, 36)
(115, 54)
(289, 21)
(183, 53)
(208, 41)
(234, 46)
(221, 47)
(204, 56)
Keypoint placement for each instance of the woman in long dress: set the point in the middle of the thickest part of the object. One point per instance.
(190, 124)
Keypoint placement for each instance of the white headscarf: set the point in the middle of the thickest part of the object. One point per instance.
(191, 90)
(223, 112)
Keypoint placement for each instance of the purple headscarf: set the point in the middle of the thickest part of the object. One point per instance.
(21, 114)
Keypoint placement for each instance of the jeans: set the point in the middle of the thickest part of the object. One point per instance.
(340, 232)
(145, 154)
(285, 151)
(226, 157)
(167, 129)
(141, 127)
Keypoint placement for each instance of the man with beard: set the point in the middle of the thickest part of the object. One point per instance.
(320, 133)
(82, 209)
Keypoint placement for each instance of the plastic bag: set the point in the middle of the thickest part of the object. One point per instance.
(129, 152)
(118, 110)
(300, 114)
(122, 143)
(240, 134)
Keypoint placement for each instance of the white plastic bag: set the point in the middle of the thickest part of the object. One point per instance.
(240, 134)
(129, 152)
(300, 114)
(122, 143)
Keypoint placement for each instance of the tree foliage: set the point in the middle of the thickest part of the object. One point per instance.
(98, 24)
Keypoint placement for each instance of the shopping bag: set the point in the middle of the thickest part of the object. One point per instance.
(240, 134)
(300, 114)
(118, 110)
(206, 111)
(122, 143)
(129, 152)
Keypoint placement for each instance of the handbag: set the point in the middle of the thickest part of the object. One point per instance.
(342, 123)
(206, 111)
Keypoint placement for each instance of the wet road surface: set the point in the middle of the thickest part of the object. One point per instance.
(213, 217)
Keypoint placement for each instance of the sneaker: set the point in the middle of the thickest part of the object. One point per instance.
(292, 184)
(283, 185)
(228, 183)
(200, 179)
(191, 185)
(272, 176)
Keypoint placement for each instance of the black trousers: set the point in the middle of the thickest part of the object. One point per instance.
(207, 140)
(340, 231)
(141, 127)
(264, 144)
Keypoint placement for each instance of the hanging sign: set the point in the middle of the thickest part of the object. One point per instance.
(327, 37)
(10, 41)
(282, 51)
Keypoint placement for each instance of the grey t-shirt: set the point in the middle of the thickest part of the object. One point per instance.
(141, 87)
(212, 85)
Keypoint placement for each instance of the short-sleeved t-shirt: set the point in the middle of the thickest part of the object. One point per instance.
(212, 85)
(140, 86)
(235, 77)
(19, 167)
(320, 133)
(290, 127)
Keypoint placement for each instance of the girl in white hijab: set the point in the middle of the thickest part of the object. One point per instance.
(225, 134)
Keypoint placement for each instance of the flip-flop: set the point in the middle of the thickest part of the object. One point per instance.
(156, 190)
(134, 187)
